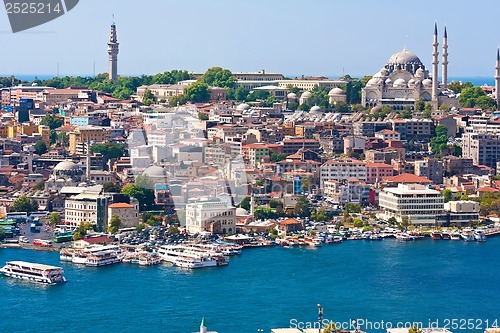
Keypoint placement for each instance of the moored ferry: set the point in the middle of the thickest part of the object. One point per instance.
(33, 272)
(102, 258)
(189, 257)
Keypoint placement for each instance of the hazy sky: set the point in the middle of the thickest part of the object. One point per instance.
(314, 37)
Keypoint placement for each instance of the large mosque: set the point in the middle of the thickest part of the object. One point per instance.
(405, 79)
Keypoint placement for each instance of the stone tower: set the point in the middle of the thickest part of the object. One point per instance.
(113, 53)
(435, 74)
(497, 78)
(445, 59)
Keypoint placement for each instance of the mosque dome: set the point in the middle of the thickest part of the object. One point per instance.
(373, 81)
(411, 82)
(335, 92)
(427, 83)
(384, 72)
(417, 83)
(306, 94)
(388, 81)
(155, 172)
(242, 107)
(376, 109)
(291, 96)
(66, 166)
(241, 212)
(315, 109)
(399, 83)
(404, 57)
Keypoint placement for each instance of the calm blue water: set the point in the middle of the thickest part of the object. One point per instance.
(264, 288)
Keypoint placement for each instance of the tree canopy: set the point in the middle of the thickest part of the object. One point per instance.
(25, 204)
(458, 86)
(109, 149)
(114, 224)
(475, 97)
(218, 77)
(197, 92)
(439, 142)
(41, 147)
(52, 120)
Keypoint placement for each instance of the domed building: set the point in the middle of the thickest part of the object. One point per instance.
(397, 84)
(304, 97)
(404, 80)
(65, 173)
(336, 95)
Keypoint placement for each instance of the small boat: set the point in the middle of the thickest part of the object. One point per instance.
(468, 236)
(33, 272)
(445, 235)
(435, 234)
(455, 235)
(480, 236)
(403, 237)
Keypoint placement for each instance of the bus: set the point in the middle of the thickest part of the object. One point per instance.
(18, 216)
(63, 237)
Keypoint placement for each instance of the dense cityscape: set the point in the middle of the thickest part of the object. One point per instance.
(190, 168)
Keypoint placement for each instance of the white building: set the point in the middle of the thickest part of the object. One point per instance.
(462, 213)
(86, 207)
(417, 202)
(342, 169)
(213, 216)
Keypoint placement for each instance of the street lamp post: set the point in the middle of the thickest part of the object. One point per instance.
(320, 316)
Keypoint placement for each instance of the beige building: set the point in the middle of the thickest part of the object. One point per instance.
(217, 217)
(127, 213)
(462, 213)
(418, 202)
(81, 136)
(342, 169)
(482, 148)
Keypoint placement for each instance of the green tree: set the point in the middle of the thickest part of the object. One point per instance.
(39, 186)
(55, 218)
(25, 204)
(392, 220)
(427, 113)
(111, 188)
(197, 92)
(202, 116)
(274, 203)
(114, 224)
(358, 223)
(276, 157)
(63, 139)
(475, 97)
(140, 227)
(41, 147)
(245, 203)
(52, 120)
(365, 79)
(77, 235)
(439, 143)
(458, 86)
(53, 137)
(406, 113)
(302, 207)
(109, 150)
(405, 221)
(420, 105)
(148, 98)
(218, 77)
(143, 191)
(240, 94)
(447, 195)
(173, 231)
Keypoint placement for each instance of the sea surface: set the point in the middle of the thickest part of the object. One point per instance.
(263, 288)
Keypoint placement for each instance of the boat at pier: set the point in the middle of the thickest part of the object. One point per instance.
(34, 272)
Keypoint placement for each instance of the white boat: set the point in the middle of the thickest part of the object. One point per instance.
(403, 237)
(102, 258)
(455, 235)
(189, 257)
(33, 272)
(468, 235)
(480, 236)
